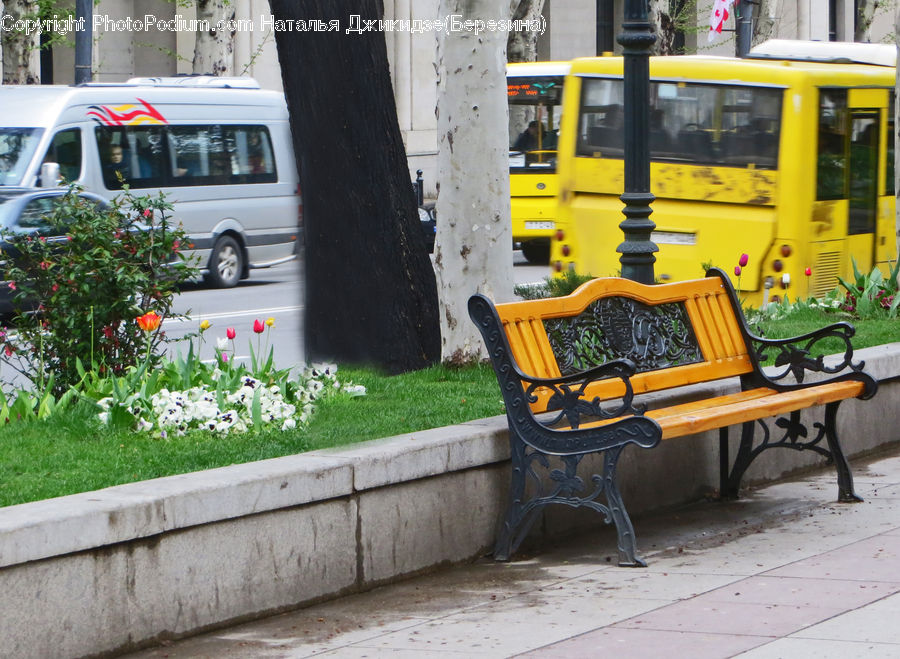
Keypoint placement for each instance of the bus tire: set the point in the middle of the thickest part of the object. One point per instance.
(226, 264)
(537, 252)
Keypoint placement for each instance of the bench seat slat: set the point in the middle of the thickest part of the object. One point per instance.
(712, 413)
(775, 404)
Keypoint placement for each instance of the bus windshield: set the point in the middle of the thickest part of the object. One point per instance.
(534, 114)
(17, 146)
(709, 124)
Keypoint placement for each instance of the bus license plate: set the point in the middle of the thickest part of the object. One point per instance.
(673, 238)
(536, 225)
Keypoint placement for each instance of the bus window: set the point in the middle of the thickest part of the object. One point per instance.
(832, 150)
(694, 123)
(863, 172)
(891, 139)
(534, 114)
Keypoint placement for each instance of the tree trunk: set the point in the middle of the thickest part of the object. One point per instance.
(865, 14)
(764, 27)
(521, 44)
(370, 288)
(663, 24)
(214, 48)
(21, 51)
(474, 237)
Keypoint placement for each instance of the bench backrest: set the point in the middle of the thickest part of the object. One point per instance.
(676, 334)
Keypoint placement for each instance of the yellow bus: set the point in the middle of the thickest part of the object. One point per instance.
(534, 91)
(786, 156)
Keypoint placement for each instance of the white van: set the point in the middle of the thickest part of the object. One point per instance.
(219, 148)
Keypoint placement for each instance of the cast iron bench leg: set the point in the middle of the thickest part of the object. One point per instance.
(510, 536)
(627, 548)
(845, 476)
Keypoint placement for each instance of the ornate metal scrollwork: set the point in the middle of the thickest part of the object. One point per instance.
(654, 337)
(795, 356)
(571, 405)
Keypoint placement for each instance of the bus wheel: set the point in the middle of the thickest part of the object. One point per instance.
(537, 251)
(226, 263)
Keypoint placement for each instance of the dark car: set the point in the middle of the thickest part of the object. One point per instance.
(429, 223)
(23, 211)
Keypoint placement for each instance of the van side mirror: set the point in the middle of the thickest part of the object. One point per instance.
(49, 175)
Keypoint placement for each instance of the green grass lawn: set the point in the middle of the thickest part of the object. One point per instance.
(59, 456)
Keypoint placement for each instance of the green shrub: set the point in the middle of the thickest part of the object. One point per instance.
(559, 286)
(113, 265)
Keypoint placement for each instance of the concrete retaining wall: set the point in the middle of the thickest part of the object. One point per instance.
(112, 570)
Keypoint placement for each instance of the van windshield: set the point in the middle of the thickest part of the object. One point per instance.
(17, 146)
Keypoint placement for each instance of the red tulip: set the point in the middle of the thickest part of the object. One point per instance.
(259, 326)
(149, 321)
(230, 333)
(807, 272)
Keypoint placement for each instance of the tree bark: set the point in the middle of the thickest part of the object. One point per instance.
(370, 288)
(521, 45)
(214, 48)
(663, 23)
(474, 237)
(864, 17)
(21, 51)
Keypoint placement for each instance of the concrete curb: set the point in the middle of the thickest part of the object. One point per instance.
(113, 570)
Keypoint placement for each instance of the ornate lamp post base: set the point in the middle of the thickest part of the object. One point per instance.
(637, 40)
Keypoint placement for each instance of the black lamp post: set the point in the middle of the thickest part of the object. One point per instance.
(84, 10)
(637, 251)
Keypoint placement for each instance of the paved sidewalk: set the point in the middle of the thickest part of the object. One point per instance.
(784, 572)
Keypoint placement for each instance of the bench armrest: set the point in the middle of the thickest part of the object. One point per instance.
(796, 356)
(567, 397)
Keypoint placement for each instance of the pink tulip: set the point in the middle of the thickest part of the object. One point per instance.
(743, 260)
(737, 270)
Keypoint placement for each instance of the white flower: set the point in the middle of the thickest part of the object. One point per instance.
(221, 343)
(355, 389)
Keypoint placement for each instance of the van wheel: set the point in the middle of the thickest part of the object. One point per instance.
(226, 263)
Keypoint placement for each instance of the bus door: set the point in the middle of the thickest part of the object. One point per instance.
(863, 175)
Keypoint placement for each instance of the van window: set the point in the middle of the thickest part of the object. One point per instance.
(171, 156)
(17, 146)
(65, 149)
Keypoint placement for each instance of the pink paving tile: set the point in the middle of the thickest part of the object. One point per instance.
(872, 559)
(761, 620)
(623, 643)
(797, 591)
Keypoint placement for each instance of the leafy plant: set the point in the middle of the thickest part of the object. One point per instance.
(186, 394)
(872, 295)
(78, 297)
(564, 284)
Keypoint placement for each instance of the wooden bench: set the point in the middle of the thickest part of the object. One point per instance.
(570, 369)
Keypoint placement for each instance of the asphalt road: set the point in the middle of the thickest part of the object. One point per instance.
(272, 292)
